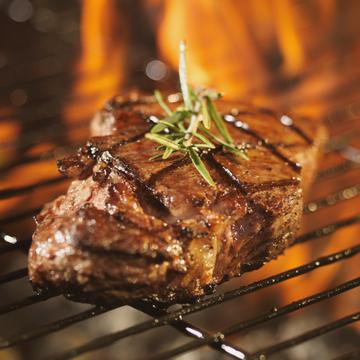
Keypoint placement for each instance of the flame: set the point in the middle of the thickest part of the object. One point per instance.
(101, 67)
(216, 33)
(241, 47)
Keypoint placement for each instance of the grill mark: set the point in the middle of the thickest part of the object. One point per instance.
(239, 186)
(224, 172)
(292, 126)
(131, 140)
(244, 187)
(144, 192)
(96, 151)
(296, 167)
(163, 172)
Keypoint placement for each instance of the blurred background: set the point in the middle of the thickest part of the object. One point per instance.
(61, 60)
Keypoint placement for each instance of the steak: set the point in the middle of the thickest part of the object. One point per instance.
(130, 228)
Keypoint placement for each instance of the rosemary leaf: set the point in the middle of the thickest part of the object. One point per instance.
(205, 140)
(219, 123)
(155, 157)
(183, 78)
(174, 136)
(205, 114)
(195, 158)
(233, 149)
(167, 152)
(164, 141)
(161, 101)
(202, 146)
(192, 129)
(169, 125)
(193, 94)
(173, 119)
(215, 95)
(237, 152)
(182, 127)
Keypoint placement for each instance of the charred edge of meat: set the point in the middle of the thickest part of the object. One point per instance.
(79, 166)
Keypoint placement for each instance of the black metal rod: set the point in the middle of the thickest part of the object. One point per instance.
(12, 192)
(26, 302)
(326, 230)
(50, 328)
(345, 194)
(189, 329)
(220, 336)
(219, 299)
(18, 217)
(18, 274)
(19, 245)
(305, 337)
(337, 170)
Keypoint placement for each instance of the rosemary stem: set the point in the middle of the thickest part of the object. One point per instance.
(194, 122)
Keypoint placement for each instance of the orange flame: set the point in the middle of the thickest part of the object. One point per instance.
(101, 68)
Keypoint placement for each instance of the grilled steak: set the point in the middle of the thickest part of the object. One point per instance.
(130, 228)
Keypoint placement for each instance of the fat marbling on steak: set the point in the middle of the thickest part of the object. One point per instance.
(130, 228)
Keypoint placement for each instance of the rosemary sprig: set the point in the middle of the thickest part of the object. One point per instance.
(196, 113)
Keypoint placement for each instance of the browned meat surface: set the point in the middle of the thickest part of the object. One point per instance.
(129, 228)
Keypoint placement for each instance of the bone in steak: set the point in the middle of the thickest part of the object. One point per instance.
(131, 228)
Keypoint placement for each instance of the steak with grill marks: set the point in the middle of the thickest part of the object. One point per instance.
(130, 228)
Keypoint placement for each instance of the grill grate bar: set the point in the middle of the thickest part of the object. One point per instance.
(13, 192)
(38, 159)
(337, 170)
(189, 329)
(45, 134)
(30, 86)
(53, 327)
(307, 336)
(20, 216)
(339, 142)
(332, 199)
(175, 315)
(327, 230)
(18, 274)
(30, 300)
(19, 245)
(265, 317)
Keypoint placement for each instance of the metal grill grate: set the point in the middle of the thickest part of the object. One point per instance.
(249, 318)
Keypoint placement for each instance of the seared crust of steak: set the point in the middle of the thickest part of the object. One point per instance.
(129, 228)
